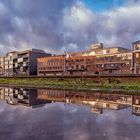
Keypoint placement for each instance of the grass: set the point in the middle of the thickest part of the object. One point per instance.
(74, 84)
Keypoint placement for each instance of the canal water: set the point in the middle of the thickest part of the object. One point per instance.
(44, 114)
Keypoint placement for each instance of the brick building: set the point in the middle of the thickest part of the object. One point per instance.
(96, 60)
(114, 60)
(98, 49)
(119, 63)
(96, 101)
(52, 65)
(136, 57)
(80, 65)
(59, 65)
(51, 95)
(136, 105)
(2, 66)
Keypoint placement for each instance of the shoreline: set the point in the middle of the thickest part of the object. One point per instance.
(89, 85)
(109, 90)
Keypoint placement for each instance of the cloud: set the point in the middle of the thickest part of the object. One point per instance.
(120, 26)
(31, 24)
(65, 25)
(79, 27)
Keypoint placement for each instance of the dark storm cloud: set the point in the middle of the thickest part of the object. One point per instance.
(29, 23)
(44, 24)
(65, 25)
(121, 26)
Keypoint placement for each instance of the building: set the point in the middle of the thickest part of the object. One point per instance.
(25, 63)
(80, 65)
(96, 101)
(119, 63)
(2, 95)
(9, 63)
(51, 95)
(61, 64)
(98, 50)
(113, 60)
(136, 105)
(21, 96)
(95, 60)
(52, 65)
(136, 57)
(21, 63)
(2, 66)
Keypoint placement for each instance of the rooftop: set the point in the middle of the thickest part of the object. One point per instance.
(136, 42)
(32, 50)
(101, 51)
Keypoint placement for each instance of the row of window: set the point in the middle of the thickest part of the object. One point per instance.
(78, 60)
(111, 65)
(51, 63)
(117, 71)
(50, 68)
(113, 58)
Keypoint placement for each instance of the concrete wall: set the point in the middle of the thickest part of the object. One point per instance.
(33, 61)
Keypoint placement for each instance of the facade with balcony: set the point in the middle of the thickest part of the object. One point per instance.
(80, 65)
(22, 63)
(119, 63)
(26, 62)
(114, 60)
(136, 105)
(52, 65)
(21, 96)
(136, 57)
(9, 63)
(96, 101)
(96, 60)
(2, 66)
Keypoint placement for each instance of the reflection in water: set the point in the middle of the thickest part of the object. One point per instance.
(67, 115)
(97, 102)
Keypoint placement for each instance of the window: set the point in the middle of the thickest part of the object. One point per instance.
(107, 51)
(77, 66)
(137, 55)
(137, 101)
(82, 67)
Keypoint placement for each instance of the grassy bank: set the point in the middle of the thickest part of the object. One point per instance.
(75, 84)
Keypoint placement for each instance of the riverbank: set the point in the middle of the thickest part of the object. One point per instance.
(105, 84)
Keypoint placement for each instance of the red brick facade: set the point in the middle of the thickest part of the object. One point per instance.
(52, 65)
(80, 65)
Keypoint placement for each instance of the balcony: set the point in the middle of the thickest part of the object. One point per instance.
(111, 68)
(26, 55)
(76, 69)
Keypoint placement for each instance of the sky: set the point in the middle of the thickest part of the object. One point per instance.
(67, 25)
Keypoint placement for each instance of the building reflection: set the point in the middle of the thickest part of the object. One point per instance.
(136, 105)
(21, 96)
(97, 102)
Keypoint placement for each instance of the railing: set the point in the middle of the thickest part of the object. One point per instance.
(77, 76)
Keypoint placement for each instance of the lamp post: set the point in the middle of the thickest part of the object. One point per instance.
(65, 53)
(132, 60)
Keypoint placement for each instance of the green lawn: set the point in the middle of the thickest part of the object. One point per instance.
(75, 84)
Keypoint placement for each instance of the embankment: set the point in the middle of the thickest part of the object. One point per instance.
(88, 83)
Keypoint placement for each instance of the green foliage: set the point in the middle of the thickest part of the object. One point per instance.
(74, 84)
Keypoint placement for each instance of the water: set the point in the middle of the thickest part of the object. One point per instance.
(43, 114)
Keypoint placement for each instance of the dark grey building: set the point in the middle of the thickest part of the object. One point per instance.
(21, 96)
(25, 63)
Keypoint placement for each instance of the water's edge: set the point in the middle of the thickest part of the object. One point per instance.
(77, 89)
